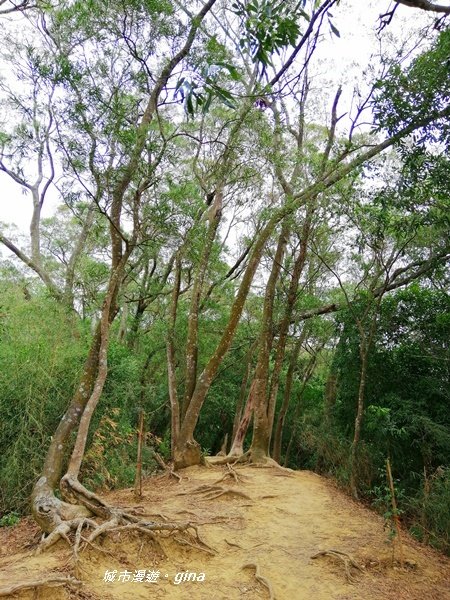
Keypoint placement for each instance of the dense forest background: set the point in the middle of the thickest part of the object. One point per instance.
(240, 247)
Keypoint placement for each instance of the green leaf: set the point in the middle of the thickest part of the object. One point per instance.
(234, 73)
(335, 30)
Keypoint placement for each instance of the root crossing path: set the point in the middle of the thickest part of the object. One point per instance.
(268, 534)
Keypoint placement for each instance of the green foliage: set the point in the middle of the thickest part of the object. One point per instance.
(382, 500)
(432, 505)
(406, 412)
(110, 461)
(417, 91)
(41, 354)
(9, 520)
(269, 27)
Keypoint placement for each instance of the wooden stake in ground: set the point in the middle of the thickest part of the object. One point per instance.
(138, 479)
(394, 510)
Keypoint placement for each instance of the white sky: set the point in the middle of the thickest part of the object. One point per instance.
(342, 59)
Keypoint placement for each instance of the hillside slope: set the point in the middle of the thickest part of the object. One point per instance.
(262, 540)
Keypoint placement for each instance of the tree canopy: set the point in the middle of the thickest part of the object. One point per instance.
(244, 253)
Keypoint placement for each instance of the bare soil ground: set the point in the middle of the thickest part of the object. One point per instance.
(264, 531)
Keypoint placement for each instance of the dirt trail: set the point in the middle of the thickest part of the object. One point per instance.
(284, 521)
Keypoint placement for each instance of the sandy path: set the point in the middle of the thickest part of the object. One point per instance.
(284, 521)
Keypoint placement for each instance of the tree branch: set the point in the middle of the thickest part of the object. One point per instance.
(425, 5)
(35, 267)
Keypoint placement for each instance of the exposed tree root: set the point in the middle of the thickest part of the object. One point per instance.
(345, 558)
(211, 492)
(228, 460)
(250, 460)
(87, 530)
(232, 544)
(263, 580)
(167, 468)
(50, 581)
(231, 473)
(269, 463)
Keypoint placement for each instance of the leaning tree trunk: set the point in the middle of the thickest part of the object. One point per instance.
(237, 447)
(173, 394)
(43, 501)
(187, 451)
(47, 509)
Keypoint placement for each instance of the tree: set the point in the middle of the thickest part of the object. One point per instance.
(159, 158)
(52, 514)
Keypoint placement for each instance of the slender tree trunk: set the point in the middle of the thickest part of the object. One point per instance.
(172, 381)
(287, 318)
(188, 451)
(123, 323)
(354, 478)
(242, 392)
(138, 477)
(237, 447)
(306, 377)
(75, 256)
(330, 395)
(276, 454)
(214, 216)
(47, 509)
(261, 433)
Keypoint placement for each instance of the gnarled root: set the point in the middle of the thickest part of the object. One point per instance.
(114, 520)
(228, 460)
(251, 459)
(167, 468)
(232, 474)
(211, 492)
(50, 512)
(345, 558)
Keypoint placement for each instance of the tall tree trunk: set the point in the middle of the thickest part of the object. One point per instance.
(306, 377)
(354, 477)
(188, 451)
(173, 394)
(287, 317)
(46, 508)
(69, 281)
(276, 454)
(237, 447)
(261, 433)
(330, 395)
(214, 216)
(242, 393)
